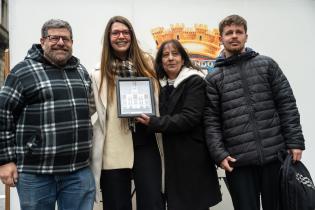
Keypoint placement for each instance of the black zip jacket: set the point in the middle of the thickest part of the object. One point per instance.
(251, 111)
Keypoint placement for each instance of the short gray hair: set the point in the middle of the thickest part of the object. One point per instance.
(55, 23)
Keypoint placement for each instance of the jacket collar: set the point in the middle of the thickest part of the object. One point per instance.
(36, 53)
(223, 61)
(182, 76)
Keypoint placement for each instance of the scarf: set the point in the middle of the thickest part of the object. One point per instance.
(125, 69)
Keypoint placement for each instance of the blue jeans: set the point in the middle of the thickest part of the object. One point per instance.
(72, 191)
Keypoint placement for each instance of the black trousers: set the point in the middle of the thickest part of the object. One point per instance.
(250, 183)
(116, 184)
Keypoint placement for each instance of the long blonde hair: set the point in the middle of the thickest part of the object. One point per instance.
(135, 55)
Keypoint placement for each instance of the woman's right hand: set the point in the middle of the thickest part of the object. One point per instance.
(144, 119)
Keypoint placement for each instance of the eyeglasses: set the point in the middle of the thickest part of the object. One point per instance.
(116, 33)
(55, 39)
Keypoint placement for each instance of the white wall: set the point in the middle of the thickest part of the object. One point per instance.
(282, 29)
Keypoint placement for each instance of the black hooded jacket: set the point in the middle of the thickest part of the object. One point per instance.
(251, 111)
(45, 125)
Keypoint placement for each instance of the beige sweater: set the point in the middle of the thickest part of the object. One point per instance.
(118, 145)
(112, 147)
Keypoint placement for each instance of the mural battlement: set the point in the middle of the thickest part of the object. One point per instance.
(198, 40)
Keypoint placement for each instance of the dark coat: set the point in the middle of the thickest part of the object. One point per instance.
(251, 113)
(45, 125)
(190, 173)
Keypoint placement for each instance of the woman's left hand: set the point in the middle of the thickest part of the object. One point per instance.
(144, 119)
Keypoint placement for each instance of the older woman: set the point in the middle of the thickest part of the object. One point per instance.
(191, 180)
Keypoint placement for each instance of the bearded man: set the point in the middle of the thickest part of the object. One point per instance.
(250, 116)
(45, 128)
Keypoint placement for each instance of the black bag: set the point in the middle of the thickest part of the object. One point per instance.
(297, 191)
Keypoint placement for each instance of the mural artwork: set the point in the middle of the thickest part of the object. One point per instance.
(202, 44)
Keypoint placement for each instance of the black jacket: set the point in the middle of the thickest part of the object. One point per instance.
(190, 174)
(251, 112)
(45, 124)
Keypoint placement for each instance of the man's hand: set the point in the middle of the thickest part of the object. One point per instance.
(296, 153)
(8, 174)
(225, 164)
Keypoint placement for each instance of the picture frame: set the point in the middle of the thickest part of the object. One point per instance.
(135, 97)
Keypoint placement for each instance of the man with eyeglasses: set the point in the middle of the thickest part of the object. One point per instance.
(45, 132)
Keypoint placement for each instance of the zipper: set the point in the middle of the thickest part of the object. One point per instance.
(251, 113)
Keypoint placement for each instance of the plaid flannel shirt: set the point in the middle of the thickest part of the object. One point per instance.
(44, 116)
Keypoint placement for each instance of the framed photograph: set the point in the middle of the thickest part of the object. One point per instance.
(134, 97)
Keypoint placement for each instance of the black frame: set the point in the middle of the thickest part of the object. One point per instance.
(139, 84)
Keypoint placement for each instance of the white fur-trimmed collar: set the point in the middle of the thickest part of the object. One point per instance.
(183, 74)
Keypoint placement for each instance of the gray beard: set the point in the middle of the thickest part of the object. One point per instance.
(52, 59)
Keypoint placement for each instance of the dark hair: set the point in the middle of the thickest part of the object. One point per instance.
(232, 19)
(177, 45)
(55, 23)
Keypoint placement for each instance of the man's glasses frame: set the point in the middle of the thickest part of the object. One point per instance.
(55, 39)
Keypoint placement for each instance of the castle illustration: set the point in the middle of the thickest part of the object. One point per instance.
(199, 41)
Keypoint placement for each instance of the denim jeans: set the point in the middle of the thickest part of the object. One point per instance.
(72, 191)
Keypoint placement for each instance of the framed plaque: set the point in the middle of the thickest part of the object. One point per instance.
(134, 97)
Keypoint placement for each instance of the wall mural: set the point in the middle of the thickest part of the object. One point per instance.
(201, 43)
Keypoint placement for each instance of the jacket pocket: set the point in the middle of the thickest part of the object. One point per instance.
(33, 145)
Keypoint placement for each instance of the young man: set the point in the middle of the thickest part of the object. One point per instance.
(45, 132)
(251, 115)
